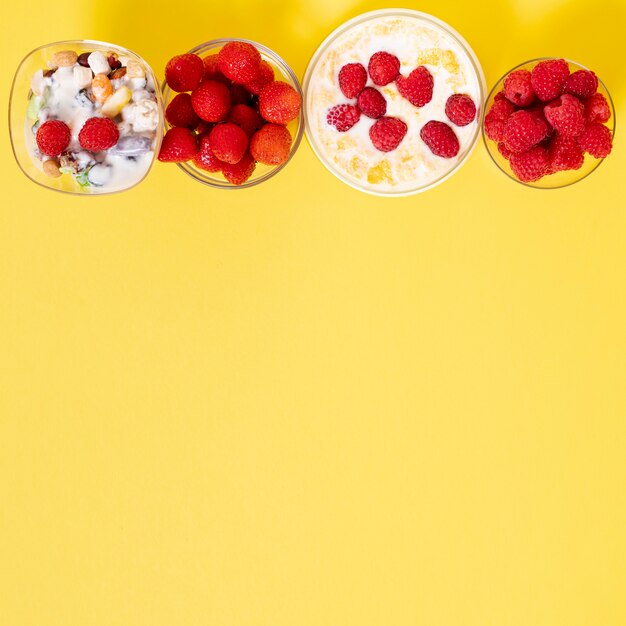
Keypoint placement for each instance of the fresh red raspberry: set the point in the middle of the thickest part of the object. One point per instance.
(184, 72)
(228, 142)
(441, 139)
(212, 69)
(417, 87)
(387, 133)
(206, 159)
(239, 61)
(565, 154)
(239, 173)
(523, 130)
(180, 112)
(264, 77)
(98, 133)
(211, 101)
(372, 103)
(504, 151)
(352, 79)
(530, 165)
(247, 118)
(53, 137)
(597, 109)
(566, 115)
(239, 94)
(279, 103)
(548, 78)
(518, 88)
(271, 144)
(460, 109)
(383, 68)
(596, 140)
(179, 144)
(582, 84)
(343, 116)
(496, 118)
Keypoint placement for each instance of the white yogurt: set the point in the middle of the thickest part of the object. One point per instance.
(415, 40)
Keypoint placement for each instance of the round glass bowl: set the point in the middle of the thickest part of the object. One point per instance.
(416, 39)
(283, 72)
(558, 179)
(20, 126)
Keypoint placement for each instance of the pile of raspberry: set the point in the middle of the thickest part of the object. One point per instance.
(546, 120)
(387, 132)
(229, 114)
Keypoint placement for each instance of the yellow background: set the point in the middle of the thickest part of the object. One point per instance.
(299, 405)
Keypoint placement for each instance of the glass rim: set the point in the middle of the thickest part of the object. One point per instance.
(487, 141)
(114, 48)
(460, 40)
(286, 68)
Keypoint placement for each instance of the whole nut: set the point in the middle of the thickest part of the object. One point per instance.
(64, 58)
(118, 73)
(51, 168)
(83, 59)
(134, 69)
(114, 62)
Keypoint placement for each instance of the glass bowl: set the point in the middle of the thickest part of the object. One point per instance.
(23, 137)
(427, 41)
(557, 180)
(283, 72)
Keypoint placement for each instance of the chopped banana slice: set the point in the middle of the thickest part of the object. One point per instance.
(116, 102)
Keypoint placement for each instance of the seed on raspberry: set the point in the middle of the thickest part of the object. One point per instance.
(343, 116)
(441, 139)
(352, 79)
(372, 103)
(383, 68)
(531, 165)
(596, 140)
(460, 109)
(387, 133)
(518, 88)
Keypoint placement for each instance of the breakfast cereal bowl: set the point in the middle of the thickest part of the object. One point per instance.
(416, 40)
(70, 82)
(551, 180)
(282, 72)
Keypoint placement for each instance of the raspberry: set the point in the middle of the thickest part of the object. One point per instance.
(247, 118)
(238, 173)
(417, 87)
(212, 69)
(372, 103)
(352, 79)
(597, 109)
(383, 68)
(205, 159)
(343, 116)
(98, 133)
(566, 115)
(264, 77)
(523, 130)
(565, 154)
(239, 94)
(518, 88)
(271, 144)
(279, 103)
(179, 144)
(596, 140)
(53, 137)
(211, 101)
(530, 165)
(184, 72)
(441, 139)
(460, 109)
(498, 114)
(239, 61)
(548, 78)
(387, 133)
(582, 84)
(180, 112)
(504, 151)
